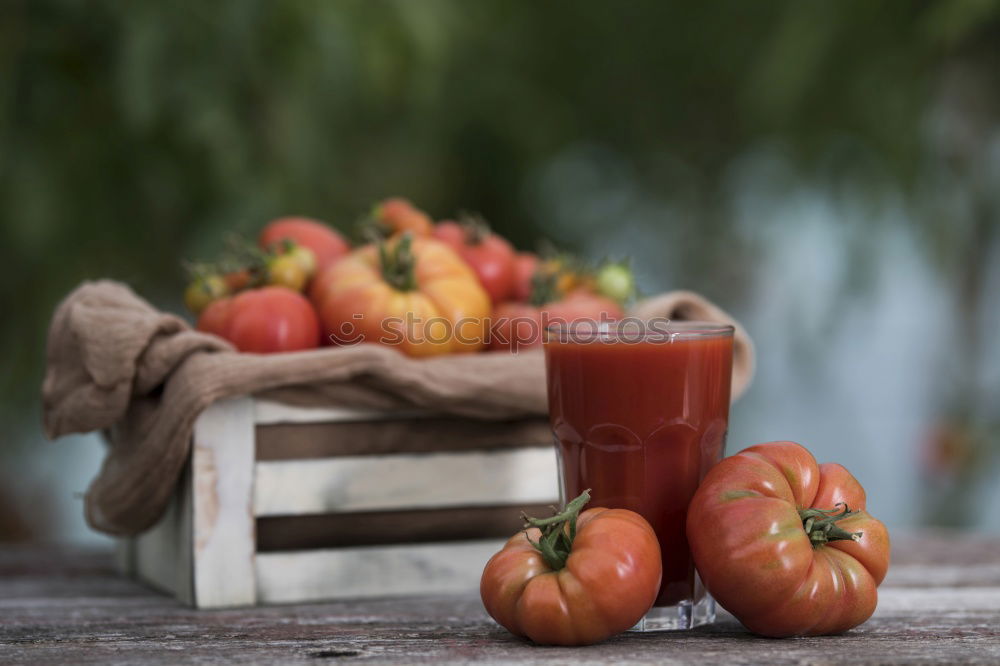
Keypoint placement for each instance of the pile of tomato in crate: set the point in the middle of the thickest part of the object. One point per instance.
(427, 288)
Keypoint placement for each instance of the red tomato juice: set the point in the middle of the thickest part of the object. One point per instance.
(640, 423)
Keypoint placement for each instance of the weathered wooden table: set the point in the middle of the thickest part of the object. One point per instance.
(940, 604)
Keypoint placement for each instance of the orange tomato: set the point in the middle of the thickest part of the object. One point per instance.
(397, 215)
(412, 293)
(593, 580)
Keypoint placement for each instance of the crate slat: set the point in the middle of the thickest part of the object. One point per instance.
(204, 548)
(375, 571)
(369, 483)
(225, 544)
(267, 413)
(162, 555)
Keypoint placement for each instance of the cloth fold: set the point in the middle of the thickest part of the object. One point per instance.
(117, 364)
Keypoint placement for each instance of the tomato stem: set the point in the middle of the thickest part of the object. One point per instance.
(544, 287)
(821, 524)
(477, 229)
(558, 532)
(399, 263)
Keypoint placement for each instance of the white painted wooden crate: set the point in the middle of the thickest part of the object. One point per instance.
(204, 548)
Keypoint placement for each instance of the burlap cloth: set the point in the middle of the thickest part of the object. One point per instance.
(117, 364)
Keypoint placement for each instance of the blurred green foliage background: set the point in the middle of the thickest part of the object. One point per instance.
(135, 134)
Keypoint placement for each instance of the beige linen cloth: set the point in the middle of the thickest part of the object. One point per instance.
(117, 364)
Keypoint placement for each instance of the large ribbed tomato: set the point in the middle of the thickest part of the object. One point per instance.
(785, 544)
(574, 581)
(412, 293)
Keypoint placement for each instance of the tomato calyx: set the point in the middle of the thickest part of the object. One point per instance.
(372, 228)
(821, 524)
(558, 532)
(477, 229)
(544, 288)
(398, 262)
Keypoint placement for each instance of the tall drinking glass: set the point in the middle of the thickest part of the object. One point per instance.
(639, 413)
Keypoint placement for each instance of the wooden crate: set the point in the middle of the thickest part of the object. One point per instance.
(204, 549)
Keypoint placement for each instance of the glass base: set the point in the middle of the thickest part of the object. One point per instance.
(685, 615)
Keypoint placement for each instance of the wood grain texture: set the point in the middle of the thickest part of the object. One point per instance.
(429, 480)
(163, 555)
(940, 604)
(225, 541)
(373, 571)
(303, 441)
(379, 528)
(267, 412)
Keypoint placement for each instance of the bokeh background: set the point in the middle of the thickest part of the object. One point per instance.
(828, 172)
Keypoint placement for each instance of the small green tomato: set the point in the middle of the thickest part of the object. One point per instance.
(203, 290)
(616, 281)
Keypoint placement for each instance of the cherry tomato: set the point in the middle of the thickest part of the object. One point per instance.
(489, 255)
(616, 281)
(271, 319)
(559, 589)
(285, 270)
(305, 257)
(785, 544)
(566, 273)
(326, 244)
(203, 290)
(238, 280)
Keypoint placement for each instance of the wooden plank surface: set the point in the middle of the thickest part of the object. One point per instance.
(940, 604)
(225, 540)
(430, 480)
(266, 412)
(163, 555)
(372, 571)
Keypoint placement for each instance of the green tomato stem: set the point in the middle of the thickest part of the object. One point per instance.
(558, 532)
(398, 263)
(821, 525)
(477, 229)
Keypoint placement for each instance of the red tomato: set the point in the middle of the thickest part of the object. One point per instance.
(489, 255)
(272, 319)
(516, 326)
(214, 317)
(326, 244)
(398, 215)
(238, 280)
(525, 266)
(600, 582)
(774, 548)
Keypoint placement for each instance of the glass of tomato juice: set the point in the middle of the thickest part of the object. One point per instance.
(639, 411)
